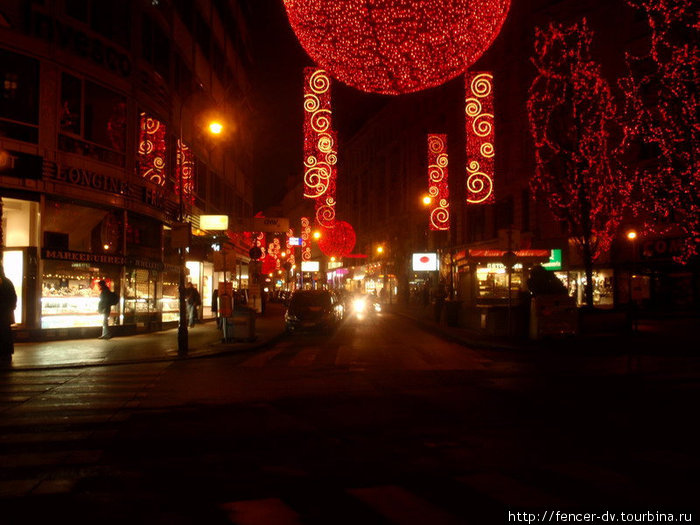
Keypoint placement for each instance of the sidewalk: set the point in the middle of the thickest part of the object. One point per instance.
(204, 340)
(672, 334)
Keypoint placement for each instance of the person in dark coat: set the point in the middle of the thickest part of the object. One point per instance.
(193, 301)
(8, 303)
(105, 308)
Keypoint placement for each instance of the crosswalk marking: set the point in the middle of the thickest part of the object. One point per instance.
(261, 512)
(508, 490)
(403, 507)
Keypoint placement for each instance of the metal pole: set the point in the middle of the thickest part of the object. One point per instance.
(182, 336)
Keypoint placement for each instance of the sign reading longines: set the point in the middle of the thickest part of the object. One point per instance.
(97, 181)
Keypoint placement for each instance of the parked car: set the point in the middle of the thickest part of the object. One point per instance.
(313, 309)
(364, 305)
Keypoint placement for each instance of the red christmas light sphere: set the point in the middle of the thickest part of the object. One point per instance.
(338, 241)
(396, 46)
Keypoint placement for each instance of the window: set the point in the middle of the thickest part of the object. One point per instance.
(143, 237)
(155, 46)
(68, 226)
(19, 97)
(97, 115)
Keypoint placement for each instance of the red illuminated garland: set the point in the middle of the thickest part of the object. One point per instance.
(480, 137)
(290, 249)
(339, 241)
(571, 112)
(152, 149)
(185, 173)
(438, 188)
(661, 113)
(396, 46)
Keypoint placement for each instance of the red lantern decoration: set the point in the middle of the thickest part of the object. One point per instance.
(151, 157)
(396, 46)
(338, 241)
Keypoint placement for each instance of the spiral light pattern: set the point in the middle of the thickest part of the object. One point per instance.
(185, 173)
(480, 136)
(438, 187)
(152, 151)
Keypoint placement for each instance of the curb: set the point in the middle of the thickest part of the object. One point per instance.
(205, 352)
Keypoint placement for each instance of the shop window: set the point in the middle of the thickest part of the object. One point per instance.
(92, 120)
(19, 97)
(70, 293)
(20, 223)
(80, 228)
(141, 296)
(152, 149)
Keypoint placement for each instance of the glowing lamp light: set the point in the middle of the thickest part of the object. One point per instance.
(106, 247)
(396, 46)
(427, 200)
(216, 128)
(317, 235)
(380, 249)
(631, 235)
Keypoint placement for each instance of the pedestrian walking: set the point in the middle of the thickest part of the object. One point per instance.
(8, 303)
(194, 300)
(104, 306)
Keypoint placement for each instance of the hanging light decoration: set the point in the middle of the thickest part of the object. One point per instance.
(152, 149)
(338, 241)
(396, 46)
(438, 188)
(480, 137)
(305, 239)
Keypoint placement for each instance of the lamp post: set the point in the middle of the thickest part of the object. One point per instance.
(632, 237)
(215, 128)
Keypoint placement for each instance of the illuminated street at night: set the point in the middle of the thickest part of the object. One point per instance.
(380, 422)
(319, 262)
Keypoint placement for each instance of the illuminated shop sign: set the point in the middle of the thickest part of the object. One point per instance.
(425, 262)
(100, 258)
(554, 262)
(310, 266)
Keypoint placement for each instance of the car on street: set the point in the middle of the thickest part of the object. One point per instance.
(313, 310)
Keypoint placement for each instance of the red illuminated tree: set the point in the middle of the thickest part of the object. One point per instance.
(572, 114)
(662, 125)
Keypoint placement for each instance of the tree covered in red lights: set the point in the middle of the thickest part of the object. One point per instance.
(571, 114)
(661, 117)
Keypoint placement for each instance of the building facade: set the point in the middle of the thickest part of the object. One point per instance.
(104, 150)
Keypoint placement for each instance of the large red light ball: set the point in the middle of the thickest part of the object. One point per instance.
(396, 46)
(338, 241)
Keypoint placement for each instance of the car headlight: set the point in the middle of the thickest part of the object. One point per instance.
(359, 305)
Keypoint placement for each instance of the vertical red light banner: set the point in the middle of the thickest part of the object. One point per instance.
(438, 188)
(152, 149)
(480, 137)
(290, 248)
(185, 173)
(325, 203)
(305, 239)
(317, 128)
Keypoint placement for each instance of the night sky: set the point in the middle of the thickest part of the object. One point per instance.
(277, 94)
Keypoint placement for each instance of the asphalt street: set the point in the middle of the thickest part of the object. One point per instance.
(379, 422)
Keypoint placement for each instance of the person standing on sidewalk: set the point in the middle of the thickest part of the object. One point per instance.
(193, 301)
(8, 303)
(105, 308)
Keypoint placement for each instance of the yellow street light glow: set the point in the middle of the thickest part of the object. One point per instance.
(216, 127)
(283, 254)
(631, 235)
(380, 249)
(106, 246)
(427, 200)
(332, 259)
(317, 235)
